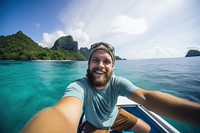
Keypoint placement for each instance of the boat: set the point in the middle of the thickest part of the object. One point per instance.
(157, 123)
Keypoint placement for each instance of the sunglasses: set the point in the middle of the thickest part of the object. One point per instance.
(109, 46)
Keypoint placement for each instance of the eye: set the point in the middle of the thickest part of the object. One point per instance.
(107, 62)
(95, 60)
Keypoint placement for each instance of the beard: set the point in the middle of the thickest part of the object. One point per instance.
(98, 81)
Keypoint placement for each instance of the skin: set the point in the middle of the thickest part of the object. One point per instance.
(168, 106)
(67, 120)
(100, 64)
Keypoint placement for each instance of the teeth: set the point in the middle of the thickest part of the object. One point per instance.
(99, 72)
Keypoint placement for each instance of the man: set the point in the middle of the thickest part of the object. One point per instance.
(96, 95)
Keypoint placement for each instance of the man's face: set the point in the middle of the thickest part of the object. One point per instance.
(100, 68)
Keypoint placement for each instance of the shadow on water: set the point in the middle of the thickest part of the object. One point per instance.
(7, 63)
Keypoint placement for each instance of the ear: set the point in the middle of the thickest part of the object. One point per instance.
(87, 72)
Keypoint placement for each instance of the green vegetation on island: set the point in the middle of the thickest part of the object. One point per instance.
(21, 47)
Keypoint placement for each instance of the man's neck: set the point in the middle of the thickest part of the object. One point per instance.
(100, 88)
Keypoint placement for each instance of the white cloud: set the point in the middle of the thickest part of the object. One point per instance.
(128, 25)
(37, 25)
(79, 35)
(157, 52)
(154, 30)
(50, 38)
(161, 51)
(81, 24)
(193, 47)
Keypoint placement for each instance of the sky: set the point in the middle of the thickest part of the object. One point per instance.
(138, 29)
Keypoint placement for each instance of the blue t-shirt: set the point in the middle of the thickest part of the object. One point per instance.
(99, 106)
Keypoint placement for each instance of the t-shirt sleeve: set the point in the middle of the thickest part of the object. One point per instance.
(126, 88)
(75, 89)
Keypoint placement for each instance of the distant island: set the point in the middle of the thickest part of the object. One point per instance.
(192, 53)
(21, 47)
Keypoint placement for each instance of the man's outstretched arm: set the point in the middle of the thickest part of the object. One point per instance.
(62, 118)
(168, 106)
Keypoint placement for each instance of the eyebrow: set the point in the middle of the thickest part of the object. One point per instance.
(97, 57)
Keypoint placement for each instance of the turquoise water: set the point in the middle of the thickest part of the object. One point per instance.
(27, 87)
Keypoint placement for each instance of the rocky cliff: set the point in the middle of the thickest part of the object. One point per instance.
(67, 43)
(85, 51)
(192, 53)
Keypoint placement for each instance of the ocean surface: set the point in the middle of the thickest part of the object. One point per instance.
(28, 87)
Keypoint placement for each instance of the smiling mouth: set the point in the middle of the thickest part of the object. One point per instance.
(99, 72)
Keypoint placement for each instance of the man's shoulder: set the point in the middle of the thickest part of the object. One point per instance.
(82, 82)
(83, 79)
(118, 78)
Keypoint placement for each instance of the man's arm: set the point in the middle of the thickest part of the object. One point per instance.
(168, 106)
(62, 118)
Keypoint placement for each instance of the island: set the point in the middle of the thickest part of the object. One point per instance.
(192, 53)
(19, 46)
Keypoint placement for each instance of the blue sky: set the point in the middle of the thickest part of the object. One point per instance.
(138, 29)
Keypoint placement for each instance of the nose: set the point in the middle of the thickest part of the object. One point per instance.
(101, 64)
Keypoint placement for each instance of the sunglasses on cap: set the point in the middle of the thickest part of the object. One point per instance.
(109, 46)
